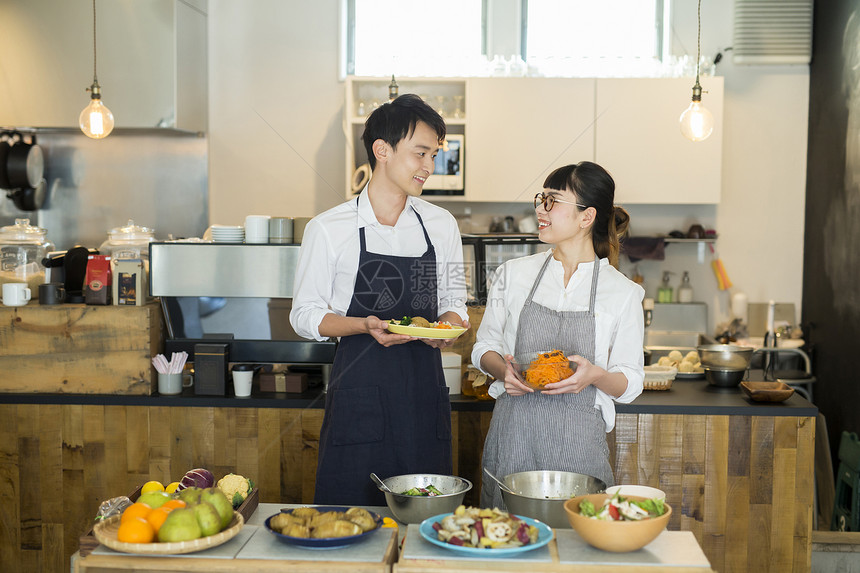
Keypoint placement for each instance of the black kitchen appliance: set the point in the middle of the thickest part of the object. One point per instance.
(483, 253)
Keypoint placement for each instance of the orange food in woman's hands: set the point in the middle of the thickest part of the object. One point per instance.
(547, 368)
(135, 530)
(135, 510)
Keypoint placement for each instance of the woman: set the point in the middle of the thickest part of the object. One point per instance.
(570, 298)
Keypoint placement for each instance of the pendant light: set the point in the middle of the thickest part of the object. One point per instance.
(96, 120)
(697, 123)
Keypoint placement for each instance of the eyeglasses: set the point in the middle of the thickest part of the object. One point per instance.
(549, 200)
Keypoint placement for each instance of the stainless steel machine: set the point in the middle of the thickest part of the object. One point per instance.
(236, 294)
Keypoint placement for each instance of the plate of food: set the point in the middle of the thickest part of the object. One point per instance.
(323, 527)
(537, 369)
(485, 532)
(688, 366)
(423, 328)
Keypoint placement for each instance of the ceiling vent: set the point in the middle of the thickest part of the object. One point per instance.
(772, 32)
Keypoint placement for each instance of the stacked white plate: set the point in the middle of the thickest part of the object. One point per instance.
(228, 233)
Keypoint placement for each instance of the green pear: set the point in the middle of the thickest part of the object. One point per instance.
(217, 498)
(180, 525)
(208, 518)
(190, 495)
(154, 499)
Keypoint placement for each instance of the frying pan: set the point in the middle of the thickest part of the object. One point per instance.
(25, 163)
(5, 146)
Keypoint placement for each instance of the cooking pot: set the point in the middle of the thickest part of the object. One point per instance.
(25, 163)
(30, 198)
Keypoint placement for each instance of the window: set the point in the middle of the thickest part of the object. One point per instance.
(586, 38)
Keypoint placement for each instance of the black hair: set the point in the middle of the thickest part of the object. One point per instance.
(594, 187)
(394, 121)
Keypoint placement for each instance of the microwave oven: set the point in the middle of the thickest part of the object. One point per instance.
(447, 177)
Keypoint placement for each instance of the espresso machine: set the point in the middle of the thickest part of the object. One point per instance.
(236, 295)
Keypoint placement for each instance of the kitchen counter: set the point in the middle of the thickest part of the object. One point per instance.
(687, 397)
(739, 473)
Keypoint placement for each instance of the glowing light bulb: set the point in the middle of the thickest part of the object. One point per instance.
(96, 120)
(697, 123)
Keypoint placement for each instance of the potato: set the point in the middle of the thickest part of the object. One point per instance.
(305, 512)
(337, 528)
(420, 322)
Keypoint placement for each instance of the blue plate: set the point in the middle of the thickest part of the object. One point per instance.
(328, 542)
(544, 536)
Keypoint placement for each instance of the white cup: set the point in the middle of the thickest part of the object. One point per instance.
(242, 382)
(15, 294)
(172, 384)
(257, 229)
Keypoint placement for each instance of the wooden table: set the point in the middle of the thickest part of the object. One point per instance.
(255, 549)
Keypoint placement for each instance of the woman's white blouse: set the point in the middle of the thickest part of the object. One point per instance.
(328, 262)
(619, 324)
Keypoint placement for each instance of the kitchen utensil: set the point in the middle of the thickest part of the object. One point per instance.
(15, 294)
(542, 494)
(725, 356)
(30, 198)
(415, 509)
(52, 293)
(767, 391)
(545, 535)
(724, 378)
(25, 163)
(280, 230)
(502, 485)
(379, 483)
(638, 490)
(324, 542)
(615, 536)
(5, 146)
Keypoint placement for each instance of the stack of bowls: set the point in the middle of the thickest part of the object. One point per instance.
(725, 364)
(257, 229)
(415, 509)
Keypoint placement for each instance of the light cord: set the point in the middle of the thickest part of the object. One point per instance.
(698, 38)
(95, 75)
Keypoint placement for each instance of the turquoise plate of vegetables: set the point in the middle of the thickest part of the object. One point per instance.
(429, 531)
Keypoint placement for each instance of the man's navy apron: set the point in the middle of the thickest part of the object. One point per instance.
(387, 409)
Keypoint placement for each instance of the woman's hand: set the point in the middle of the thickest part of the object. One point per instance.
(513, 383)
(377, 329)
(584, 376)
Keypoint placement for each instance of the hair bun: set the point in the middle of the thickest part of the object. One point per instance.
(621, 218)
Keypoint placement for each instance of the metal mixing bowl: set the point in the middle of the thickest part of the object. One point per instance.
(725, 356)
(541, 494)
(415, 509)
(724, 378)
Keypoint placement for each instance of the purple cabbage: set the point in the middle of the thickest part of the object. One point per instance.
(198, 477)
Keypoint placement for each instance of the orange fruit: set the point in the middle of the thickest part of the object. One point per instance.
(135, 530)
(173, 504)
(135, 510)
(157, 516)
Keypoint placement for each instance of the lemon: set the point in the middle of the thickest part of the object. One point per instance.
(388, 522)
(171, 487)
(152, 486)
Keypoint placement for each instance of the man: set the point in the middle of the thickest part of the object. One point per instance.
(383, 255)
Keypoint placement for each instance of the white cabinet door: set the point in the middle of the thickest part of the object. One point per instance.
(639, 142)
(520, 129)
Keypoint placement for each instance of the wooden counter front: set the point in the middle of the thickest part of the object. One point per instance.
(79, 349)
(743, 485)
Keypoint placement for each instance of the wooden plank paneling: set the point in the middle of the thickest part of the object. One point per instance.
(742, 485)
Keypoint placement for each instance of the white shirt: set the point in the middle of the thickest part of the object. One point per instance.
(328, 261)
(619, 323)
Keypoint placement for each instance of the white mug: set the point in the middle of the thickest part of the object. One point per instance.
(15, 294)
(242, 382)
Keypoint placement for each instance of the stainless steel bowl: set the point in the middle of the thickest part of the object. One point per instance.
(724, 377)
(415, 509)
(725, 356)
(541, 494)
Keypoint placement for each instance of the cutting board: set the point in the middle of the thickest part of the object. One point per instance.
(415, 547)
(378, 548)
(670, 549)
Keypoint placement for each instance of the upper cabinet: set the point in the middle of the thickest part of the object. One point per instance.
(520, 129)
(517, 130)
(638, 140)
(151, 62)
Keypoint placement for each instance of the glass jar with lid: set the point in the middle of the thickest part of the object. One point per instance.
(128, 242)
(22, 248)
